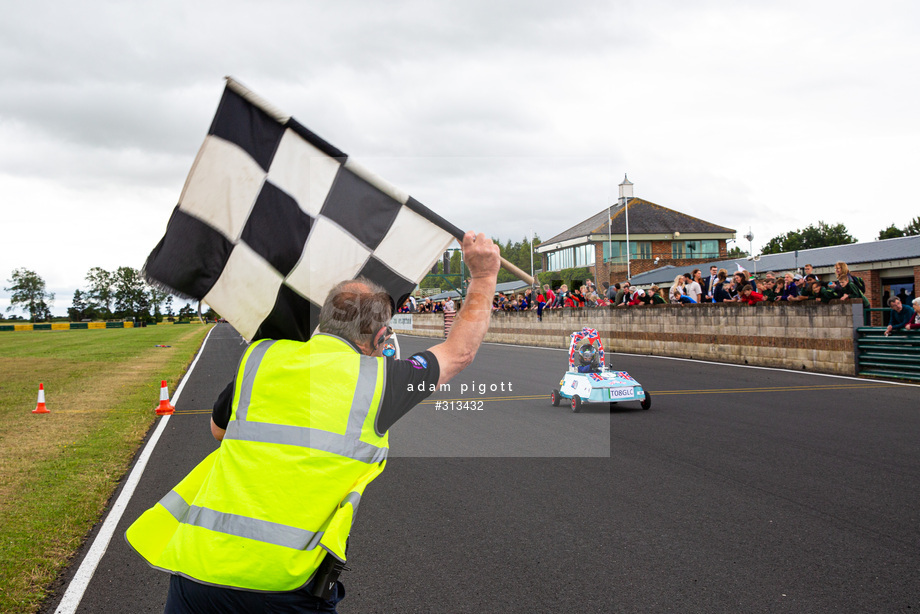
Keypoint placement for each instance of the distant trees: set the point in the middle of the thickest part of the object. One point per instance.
(28, 291)
(130, 294)
(893, 232)
(99, 293)
(822, 235)
(122, 293)
(77, 310)
(518, 254)
(186, 312)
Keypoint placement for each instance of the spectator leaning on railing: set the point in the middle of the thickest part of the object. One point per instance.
(847, 288)
(799, 283)
(749, 296)
(739, 280)
(709, 283)
(901, 315)
(677, 291)
(722, 291)
(806, 292)
(820, 292)
(790, 290)
(622, 294)
(692, 287)
(769, 291)
(636, 297)
(914, 324)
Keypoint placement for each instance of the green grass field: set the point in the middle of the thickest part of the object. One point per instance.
(58, 470)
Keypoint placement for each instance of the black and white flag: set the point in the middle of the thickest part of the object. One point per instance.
(271, 217)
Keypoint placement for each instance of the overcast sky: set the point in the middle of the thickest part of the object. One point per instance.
(504, 117)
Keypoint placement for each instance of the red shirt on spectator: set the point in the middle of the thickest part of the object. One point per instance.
(751, 298)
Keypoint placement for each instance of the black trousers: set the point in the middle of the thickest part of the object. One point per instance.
(190, 597)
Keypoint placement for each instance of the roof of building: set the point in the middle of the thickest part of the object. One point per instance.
(645, 217)
(902, 248)
(507, 286)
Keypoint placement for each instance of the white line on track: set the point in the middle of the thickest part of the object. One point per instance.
(705, 362)
(77, 587)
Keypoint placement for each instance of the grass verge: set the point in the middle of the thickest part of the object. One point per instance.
(58, 470)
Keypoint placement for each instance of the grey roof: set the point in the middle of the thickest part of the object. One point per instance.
(511, 286)
(508, 286)
(645, 217)
(902, 248)
(443, 295)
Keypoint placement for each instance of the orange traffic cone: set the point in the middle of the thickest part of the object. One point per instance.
(40, 408)
(165, 408)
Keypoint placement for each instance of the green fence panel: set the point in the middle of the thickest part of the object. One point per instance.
(79, 325)
(7, 327)
(114, 324)
(41, 327)
(895, 356)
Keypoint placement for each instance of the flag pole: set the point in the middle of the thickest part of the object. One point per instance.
(516, 272)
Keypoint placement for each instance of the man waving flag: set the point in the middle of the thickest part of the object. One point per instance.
(272, 217)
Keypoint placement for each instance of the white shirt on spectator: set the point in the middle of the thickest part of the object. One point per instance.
(693, 290)
(449, 305)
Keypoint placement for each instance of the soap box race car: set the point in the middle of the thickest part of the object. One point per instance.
(589, 381)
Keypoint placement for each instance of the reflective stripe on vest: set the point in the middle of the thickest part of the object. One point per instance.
(241, 526)
(348, 445)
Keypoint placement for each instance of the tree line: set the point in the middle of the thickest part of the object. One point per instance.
(446, 272)
(828, 235)
(119, 294)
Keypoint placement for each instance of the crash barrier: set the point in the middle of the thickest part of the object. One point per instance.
(811, 337)
(64, 326)
(897, 355)
(82, 325)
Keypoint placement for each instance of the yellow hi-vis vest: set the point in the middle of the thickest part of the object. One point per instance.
(261, 511)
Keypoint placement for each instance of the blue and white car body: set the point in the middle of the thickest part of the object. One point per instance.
(601, 385)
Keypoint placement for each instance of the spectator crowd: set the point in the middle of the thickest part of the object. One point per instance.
(694, 288)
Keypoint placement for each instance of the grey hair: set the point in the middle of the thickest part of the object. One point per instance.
(355, 310)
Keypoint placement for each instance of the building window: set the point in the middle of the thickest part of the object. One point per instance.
(584, 255)
(615, 251)
(640, 250)
(581, 255)
(708, 248)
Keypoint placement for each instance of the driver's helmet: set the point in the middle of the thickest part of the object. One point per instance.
(587, 353)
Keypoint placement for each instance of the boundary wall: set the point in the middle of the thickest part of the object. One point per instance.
(805, 336)
(78, 325)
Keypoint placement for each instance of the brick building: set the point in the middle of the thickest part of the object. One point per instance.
(657, 237)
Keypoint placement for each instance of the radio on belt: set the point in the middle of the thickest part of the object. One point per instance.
(588, 380)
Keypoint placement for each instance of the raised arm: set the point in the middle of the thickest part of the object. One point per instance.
(481, 255)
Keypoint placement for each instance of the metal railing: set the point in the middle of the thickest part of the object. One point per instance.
(897, 355)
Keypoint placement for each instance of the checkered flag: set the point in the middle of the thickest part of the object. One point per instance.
(272, 217)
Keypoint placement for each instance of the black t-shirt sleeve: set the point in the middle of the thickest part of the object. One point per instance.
(408, 383)
(221, 412)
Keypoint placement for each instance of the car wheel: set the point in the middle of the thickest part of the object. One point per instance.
(554, 398)
(576, 403)
(647, 401)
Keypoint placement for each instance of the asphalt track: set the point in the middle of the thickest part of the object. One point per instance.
(741, 490)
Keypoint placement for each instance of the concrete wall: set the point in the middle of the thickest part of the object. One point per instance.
(809, 336)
